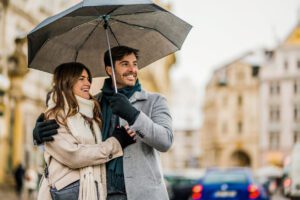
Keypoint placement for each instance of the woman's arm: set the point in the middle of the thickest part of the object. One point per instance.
(65, 149)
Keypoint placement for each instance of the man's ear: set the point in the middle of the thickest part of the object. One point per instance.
(108, 70)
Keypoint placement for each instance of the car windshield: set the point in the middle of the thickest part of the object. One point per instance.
(178, 180)
(225, 177)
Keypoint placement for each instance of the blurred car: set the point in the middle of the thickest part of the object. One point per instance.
(286, 181)
(294, 173)
(180, 184)
(270, 177)
(269, 184)
(229, 184)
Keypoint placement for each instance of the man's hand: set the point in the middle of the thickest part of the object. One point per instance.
(44, 130)
(122, 135)
(121, 106)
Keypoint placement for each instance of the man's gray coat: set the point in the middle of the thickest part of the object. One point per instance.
(142, 169)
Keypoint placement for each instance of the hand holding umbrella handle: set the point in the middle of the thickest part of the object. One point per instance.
(121, 106)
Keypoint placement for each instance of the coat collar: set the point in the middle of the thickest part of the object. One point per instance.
(138, 96)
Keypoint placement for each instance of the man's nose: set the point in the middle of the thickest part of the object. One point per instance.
(132, 67)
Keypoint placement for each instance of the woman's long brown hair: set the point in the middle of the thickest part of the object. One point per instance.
(65, 77)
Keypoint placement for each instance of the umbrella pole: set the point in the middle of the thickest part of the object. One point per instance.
(110, 57)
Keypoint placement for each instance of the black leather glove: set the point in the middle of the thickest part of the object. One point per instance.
(44, 130)
(121, 106)
(122, 136)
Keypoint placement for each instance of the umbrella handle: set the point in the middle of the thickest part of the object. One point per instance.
(110, 56)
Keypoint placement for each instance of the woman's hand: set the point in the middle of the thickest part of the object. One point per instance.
(130, 132)
(124, 136)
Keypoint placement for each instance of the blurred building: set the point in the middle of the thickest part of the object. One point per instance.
(280, 100)
(230, 131)
(23, 97)
(186, 150)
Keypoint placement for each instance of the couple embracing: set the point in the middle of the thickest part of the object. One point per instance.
(107, 146)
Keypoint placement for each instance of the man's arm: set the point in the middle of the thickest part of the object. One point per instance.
(157, 130)
(44, 130)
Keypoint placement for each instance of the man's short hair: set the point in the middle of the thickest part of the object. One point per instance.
(118, 52)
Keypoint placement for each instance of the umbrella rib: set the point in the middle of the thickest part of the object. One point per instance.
(86, 39)
(114, 35)
(113, 10)
(145, 27)
(89, 21)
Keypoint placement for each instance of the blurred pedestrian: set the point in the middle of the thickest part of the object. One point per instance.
(19, 179)
(31, 180)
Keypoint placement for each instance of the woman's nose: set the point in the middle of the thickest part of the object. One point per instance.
(87, 82)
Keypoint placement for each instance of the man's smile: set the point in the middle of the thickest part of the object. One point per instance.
(130, 76)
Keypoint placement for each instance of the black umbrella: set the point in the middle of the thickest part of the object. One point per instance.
(85, 31)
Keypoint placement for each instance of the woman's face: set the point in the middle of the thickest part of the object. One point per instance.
(83, 85)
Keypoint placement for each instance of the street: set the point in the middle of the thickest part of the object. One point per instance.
(278, 197)
(9, 194)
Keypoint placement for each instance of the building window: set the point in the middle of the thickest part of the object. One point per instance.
(297, 113)
(1, 13)
(298, 64)
(271, 89)
(274, 113)
(189, 134)
(240, 127)
(274, 140)
(240, 76)
(278, 88)
(240, 100)
(297, 87)
(274, 88)
(296, 137)
(286, 65)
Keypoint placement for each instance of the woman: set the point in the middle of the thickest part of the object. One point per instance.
(77, 154)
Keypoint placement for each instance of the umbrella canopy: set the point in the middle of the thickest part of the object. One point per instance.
(79, 34)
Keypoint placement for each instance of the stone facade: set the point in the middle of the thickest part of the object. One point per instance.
(24, 100)
(230, 128)
(280, 101)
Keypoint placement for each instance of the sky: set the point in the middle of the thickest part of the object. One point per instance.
(224, 29)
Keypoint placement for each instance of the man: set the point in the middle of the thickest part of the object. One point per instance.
(137, 175)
